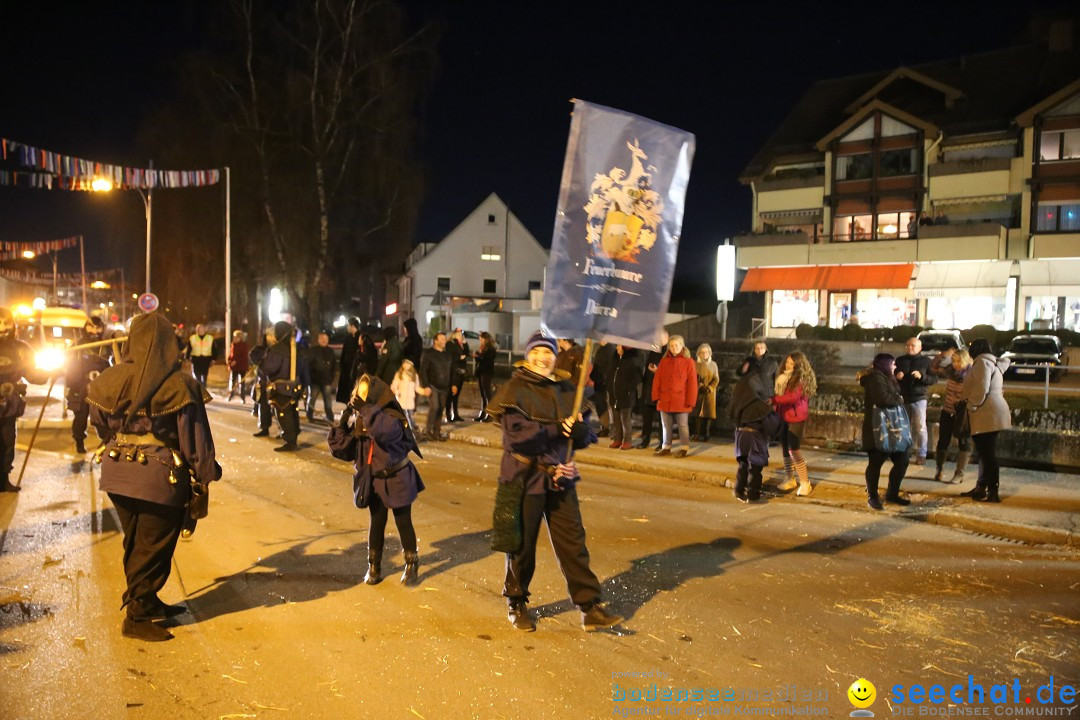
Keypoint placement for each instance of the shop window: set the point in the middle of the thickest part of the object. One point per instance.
(854, 167)
(885, 308)
(794, 307)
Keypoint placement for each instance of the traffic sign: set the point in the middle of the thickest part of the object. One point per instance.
(148, 302)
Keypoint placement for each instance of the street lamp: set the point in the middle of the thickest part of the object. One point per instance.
(100, 184)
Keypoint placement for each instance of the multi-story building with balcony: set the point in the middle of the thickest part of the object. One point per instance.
(943, 195)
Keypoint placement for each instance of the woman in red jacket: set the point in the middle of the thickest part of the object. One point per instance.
(674, 389)
(795, 385)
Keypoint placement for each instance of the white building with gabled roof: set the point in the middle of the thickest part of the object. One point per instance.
(485, 275)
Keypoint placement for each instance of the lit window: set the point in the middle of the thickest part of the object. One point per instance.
(490, 252)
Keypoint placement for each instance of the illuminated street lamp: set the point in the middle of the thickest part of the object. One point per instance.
(100, 184)
(29, 254)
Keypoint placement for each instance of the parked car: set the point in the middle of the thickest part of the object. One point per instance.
(936, 341)
(1033, 356)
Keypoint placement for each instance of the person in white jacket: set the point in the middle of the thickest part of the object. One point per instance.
(404, 388)
(988, 413)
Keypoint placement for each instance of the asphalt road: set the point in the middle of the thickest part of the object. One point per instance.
(716, 594)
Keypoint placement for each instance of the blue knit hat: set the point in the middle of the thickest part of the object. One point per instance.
(539, 339)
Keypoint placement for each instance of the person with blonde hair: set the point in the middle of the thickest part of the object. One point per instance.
(708, 375)
(952, 365)
(675, 391)
(404, 389)
(794, 387)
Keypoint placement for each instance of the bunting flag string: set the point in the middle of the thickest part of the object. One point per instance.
(72, 173)
(13, 250)
(33, 277)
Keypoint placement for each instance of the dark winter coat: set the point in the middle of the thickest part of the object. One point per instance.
(367, 360)
(530, 409)
(347, 365)
(627, 381)
(911, 388)
(765, 366)
(434, 369)
(412, 345)
(750, 400)
(375, 436)
(390, 355)
(569, 361)
(485, 362)
(879, 391)
(459, 359)
(239, 355)
(675, 385)
(605, 360)
(321, 362)
(653, 357)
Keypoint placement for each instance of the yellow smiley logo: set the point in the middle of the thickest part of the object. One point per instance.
(862, 693)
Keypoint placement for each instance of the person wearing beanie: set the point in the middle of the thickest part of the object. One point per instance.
(535, 411)
(83, 367)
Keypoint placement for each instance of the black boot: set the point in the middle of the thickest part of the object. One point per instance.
(80, 447)
(6, 486)
(976, 493)
(872, 498)
(991, 494)
(706, 429)
(374, 567)
(892, 495)
(412, 568)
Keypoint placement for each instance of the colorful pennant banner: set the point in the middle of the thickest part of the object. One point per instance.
(33, 277)
(71, 173)
(13, 250)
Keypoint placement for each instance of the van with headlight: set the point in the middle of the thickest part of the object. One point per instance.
(49, 332)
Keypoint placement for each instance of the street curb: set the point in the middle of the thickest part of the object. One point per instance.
(835, 496)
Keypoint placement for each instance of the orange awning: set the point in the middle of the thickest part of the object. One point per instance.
(828, 277)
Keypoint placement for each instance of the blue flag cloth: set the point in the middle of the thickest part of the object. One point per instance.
(617, 227)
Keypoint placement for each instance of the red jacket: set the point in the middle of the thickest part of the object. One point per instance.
(793, 406)
(238, 357)
(675, 385)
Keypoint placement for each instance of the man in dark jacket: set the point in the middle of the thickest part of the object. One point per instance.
(285, 387)
(913, 374)
(16, 363)
(648, 405)
(435, 380)
(158, 443)
(458, 350)
(535, 409)
(321, 362)
(83, 367)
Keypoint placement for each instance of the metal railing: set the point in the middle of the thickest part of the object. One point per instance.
(1048, 372)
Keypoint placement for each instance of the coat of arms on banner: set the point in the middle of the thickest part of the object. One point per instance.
(623, 210)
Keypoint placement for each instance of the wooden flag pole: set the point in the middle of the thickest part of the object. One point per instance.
(37, 425)
(579, 394)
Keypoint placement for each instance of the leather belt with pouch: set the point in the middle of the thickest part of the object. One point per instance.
(392, 470)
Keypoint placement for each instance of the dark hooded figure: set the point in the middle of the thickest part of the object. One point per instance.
(83, 367)
(346, 378)
(16, 363)
(157, 441)
(374, 434)
(284, 384)
(390, 355)
(413, 343)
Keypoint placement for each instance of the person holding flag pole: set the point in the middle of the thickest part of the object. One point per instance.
(609, 279)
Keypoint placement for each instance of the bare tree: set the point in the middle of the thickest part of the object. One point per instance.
(323, 94)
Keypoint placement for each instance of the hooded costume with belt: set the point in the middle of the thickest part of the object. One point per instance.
(380, 426)
(145, 407)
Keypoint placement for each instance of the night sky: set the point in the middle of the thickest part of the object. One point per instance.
(82, 80)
